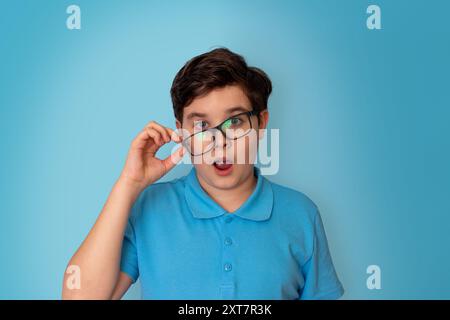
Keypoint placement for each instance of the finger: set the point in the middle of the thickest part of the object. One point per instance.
(162, 130)
(172, 134)
(156, 135)
(174, 158)
(141, 139)
(145, 136)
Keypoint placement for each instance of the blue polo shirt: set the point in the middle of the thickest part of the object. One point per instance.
(183, 245)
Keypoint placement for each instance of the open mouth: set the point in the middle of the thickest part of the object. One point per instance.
(223, 166)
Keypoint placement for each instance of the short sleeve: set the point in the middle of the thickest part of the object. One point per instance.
(129, 257)
(321, 280)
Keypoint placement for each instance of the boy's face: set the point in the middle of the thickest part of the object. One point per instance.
(209, 111)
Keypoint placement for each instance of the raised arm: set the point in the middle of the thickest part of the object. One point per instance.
(97, 260)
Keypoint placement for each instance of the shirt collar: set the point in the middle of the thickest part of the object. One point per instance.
(257, 207)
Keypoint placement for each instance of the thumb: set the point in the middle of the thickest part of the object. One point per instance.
(174, 158)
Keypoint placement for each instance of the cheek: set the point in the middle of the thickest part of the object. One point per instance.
(245, 149)
(204, 171)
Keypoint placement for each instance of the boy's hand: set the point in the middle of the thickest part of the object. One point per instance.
(142, 167)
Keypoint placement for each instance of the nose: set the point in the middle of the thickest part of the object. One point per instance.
(220, 139)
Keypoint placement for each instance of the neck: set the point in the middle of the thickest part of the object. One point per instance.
(231, 199)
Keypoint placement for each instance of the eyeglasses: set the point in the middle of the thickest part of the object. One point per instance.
(233, 128)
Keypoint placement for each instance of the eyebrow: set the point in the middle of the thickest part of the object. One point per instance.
(204, 115)
(196, 115)
(237, 108)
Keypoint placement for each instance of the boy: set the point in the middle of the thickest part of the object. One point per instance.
(223, 231)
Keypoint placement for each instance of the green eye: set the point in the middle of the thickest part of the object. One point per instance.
(231, 122)
(235, 121)
(227, 124)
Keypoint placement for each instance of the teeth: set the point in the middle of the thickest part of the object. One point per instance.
(222, 162)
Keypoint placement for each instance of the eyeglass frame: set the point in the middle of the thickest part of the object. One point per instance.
(218, 127)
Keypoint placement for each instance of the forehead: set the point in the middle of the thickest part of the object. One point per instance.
(218, 102)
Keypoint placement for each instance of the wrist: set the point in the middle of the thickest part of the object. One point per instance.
(129, 186)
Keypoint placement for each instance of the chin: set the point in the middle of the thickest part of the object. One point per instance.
(229, 181)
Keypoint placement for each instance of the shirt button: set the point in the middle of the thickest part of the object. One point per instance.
(228, 241)
(228, 219)
(227, 267)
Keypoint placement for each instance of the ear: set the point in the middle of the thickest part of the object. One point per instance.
(263, 121)
(178, 124)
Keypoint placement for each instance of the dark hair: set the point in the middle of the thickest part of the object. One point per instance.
(215, 69)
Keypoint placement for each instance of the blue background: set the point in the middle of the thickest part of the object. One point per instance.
(368, 110)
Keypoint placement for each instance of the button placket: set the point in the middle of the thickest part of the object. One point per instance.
(228, 261)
